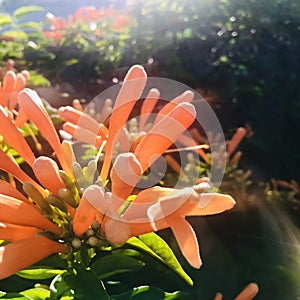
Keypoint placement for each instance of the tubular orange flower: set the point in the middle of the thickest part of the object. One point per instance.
(23, 253)
(236, 139)
(23, 218)
(153, 208)
(17, 212)
(13, 136)
(8, 190)
(12, 233)
(158, 208)
(31, 105)
(47, 212)
(248, 293)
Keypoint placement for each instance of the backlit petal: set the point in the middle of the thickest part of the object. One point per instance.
(91, 204)
(210, 204)
(164, 134)
(81, 134)
(186, 239)
(148, 106)
(17, 212)
(20, 84)
(31, 105)
(76, 117)
(125, 174)
(132, 88)
(11, 232)
(21, 254)
(186, 96)
(14, 137)
(7, 189)
(143, 207)
(7, 165)
(9, 81)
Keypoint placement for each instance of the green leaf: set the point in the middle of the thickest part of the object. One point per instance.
(32, 25)
(25, 10)
(17, 34)
(40, 273)
(4, 20)
(150, 293)
(36, 293)
(114, 264)
(38, 80)
(13, 296)
(157, 247)
(59, 289)
(86, 285)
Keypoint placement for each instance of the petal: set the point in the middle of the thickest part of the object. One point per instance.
(164, 134)
(89, 207)
(31, 105)
(14, 137)
(7, 189)
(20, 84)
(17, 212)
(186, 239)
(209, 204)
(186, 96)
(249, 292)
(21, 254)
(7, 165)
(9, 81)
(236, 139)
(132, 88)
(47, 172)
(148, 106)
(125, 174)
(116, 231)
(144, 206)
(21, 118)
(81, 134)
(76, 117)
(11, 232)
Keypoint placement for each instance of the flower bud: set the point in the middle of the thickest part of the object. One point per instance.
(67, 196)
(51, 199)
(76, 243)
(37, 197)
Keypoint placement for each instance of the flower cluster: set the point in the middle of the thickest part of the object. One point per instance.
(99, 22)
(66, 206)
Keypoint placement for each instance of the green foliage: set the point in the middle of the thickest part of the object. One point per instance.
(16, 32)
(26, 10)
(150, 293)
(85, 284)
(106, 266)
(156, 246)
(40, 273)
